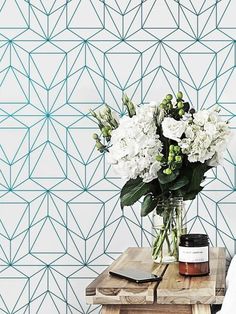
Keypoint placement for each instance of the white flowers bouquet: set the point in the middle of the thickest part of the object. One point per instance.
(162, 150)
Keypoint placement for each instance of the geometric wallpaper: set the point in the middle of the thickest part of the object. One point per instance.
(60, 218)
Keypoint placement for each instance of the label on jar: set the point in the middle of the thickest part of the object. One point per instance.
(193, 254)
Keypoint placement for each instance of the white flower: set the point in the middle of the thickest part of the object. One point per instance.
(160, 116)
(189, 132)
(152, 173)
(201, 117)
(210, 128)
(173, 129)
(135, 144)
(205, 138)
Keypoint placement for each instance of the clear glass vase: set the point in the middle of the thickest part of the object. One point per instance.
(168, 226)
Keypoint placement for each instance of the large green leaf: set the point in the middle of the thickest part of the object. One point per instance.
(132, 191)
(196, 175)
(155, 188)
(179, 183)
(148, 204)
(191, 195)
(198, 170)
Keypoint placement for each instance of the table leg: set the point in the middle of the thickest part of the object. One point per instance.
(201, 309)
(110, 309)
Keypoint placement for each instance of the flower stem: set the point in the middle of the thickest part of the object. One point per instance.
(166, 243)
(159, 241)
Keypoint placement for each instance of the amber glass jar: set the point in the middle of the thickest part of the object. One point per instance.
(194, 255)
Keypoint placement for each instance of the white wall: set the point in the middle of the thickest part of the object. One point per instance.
(60, 219)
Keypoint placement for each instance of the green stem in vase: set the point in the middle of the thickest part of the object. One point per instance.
(179, 229)
(168, 231)
(159, 241)
(168, 244)
(175, 243)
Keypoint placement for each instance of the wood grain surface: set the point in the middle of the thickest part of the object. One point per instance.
(201, 309)
(155, 309)
(188, 292)
(178, 289)
(107, 289)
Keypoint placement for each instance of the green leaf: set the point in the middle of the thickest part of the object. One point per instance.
(132, 191)
(195, 173)
(167, 178)
(191, 195)
(179, 183)
(148, 204)
(197, 177)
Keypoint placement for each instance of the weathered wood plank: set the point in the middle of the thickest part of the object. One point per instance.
(156, 309)
(178, 289)
(220, 277)
(201, 309)
(106, 289)
(174, 288)
(110, 309)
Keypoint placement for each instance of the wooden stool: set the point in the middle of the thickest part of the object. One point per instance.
(174, 294)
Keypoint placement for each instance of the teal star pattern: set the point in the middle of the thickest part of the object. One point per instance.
(60, 218)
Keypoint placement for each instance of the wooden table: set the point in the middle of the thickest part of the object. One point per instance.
(174, 294)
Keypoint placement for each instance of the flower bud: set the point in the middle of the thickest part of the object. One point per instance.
(176, 149)
(103, 113)
(171, 154)
(169, 97)
(164, 101)
(93, 113)
(129, 105)
(158, 158)
(180, 105)
(181, 112)
(99, 145)
(167, 171)
(180, 95)
(108, 109)
(178, 158)
(170, 158)
(105, 131)
(171, 148)
(170, 106)
(95, 136)
(125, 98)
(106, 117)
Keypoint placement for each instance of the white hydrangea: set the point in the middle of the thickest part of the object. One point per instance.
(135, 144)
(205, 138)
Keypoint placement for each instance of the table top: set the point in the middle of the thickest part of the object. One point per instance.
(173, 288)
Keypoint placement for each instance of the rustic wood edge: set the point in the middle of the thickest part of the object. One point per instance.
(91, 291)
(201, 309)
(208, 295)
(110, 309)
(148, 309)
(97, 293)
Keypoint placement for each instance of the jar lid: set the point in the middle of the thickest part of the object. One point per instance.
(194, 239)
